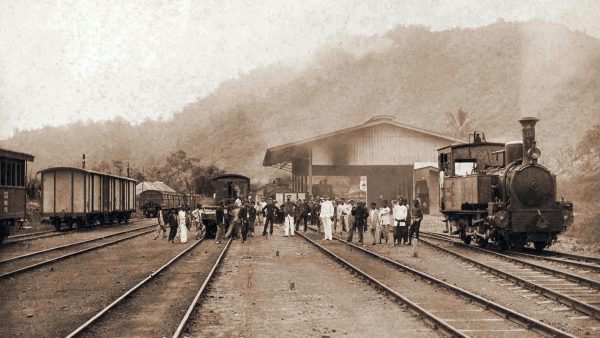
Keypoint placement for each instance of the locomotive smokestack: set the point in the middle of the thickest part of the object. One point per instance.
(530, 151)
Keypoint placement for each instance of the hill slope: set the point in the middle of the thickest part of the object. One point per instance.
(500, 72)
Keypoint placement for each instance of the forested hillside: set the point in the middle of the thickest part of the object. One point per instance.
(498, 73)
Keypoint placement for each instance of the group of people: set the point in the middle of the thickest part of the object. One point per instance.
(180, 222)
(402, 220)
(237, 219)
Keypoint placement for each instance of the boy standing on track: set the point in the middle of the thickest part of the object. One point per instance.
(162, 220)
(220, 220)
(385, 221)
(374, 223)
(416, 215)
(197, 221)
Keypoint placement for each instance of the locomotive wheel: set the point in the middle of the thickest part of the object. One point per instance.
(539, 246)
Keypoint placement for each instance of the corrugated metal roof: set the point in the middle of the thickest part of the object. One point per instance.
(298, 149)
(157, 186)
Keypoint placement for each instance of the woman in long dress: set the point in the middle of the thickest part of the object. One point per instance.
(182, 226)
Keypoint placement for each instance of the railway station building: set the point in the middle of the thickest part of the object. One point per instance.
(382, 151)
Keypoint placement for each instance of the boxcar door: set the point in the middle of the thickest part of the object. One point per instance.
(106, 194)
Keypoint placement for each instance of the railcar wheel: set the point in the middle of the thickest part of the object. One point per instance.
(482, 242)
(466, 239)
(56, 223)
(539, 246)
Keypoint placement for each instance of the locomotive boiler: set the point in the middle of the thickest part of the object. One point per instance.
(499, 192)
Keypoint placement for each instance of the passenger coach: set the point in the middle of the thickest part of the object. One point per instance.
(13, 179)
(84, 197)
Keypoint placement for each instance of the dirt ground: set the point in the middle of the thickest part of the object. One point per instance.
(54, 300)
(251, 297)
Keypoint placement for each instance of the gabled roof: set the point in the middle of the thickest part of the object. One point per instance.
(15, 155)
(85, 171)
(155, 186)
(286, 152)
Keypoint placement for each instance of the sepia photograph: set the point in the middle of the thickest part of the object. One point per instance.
(285, 168)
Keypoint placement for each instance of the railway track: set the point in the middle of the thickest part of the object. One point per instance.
(46, 234)
(584, 263)
(456, 311)
(576, 292)
(15, 265)
(113, 308)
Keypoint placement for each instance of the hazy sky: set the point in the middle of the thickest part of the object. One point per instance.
(63, 61)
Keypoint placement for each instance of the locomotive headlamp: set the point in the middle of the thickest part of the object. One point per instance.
(534, 153)
(501, 219)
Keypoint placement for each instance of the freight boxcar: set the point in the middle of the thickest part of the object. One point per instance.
(84, 197)
(13, 178)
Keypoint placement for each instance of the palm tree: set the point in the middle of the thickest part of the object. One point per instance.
(461, 122)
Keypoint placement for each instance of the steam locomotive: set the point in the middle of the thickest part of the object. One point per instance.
(496, 191)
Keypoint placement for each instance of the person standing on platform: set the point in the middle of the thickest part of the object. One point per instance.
(303, 212)
(162, 226)
(289, 212)
(270, 210)
(317, 213)
(416, 216)
(172, 221)
(400, 213)
(385, 213)
(220, 219)
(351, 207)
(374, 223)
(251, 218)
(359, 216)
(326, 216)
(244, 216)
(183, 230)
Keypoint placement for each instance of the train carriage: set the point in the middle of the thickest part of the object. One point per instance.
(84, 197)
(13, 181)
(231, 186)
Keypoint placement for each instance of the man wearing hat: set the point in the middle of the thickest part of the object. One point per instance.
(289, 211)
(269, 211)
(360, 215)
(161, 227)
(326, 217)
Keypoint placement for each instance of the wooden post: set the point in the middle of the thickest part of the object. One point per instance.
(310, 174)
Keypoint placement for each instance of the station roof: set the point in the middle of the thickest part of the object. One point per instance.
(85, 171)
(157, 186)
(15, 155)
(286, 152)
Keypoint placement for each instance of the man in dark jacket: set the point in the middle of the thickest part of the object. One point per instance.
(302, 214)
(270, 211)
(251, 218)
(244, 219)
(172, 225)
(416, 216)
(360, 215)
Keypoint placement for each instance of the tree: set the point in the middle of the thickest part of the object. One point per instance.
(461, 122)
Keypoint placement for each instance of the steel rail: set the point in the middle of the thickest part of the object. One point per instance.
(557, 296)
(207, 280)
(64, 246)
(69, 255)
(545, 254)
(49, 233)
(435, 320)
(512, 315)
(533, 266)
(102, 312)
(30, 234)
(579, 264)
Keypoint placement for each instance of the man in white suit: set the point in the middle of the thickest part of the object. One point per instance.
(326, 217)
